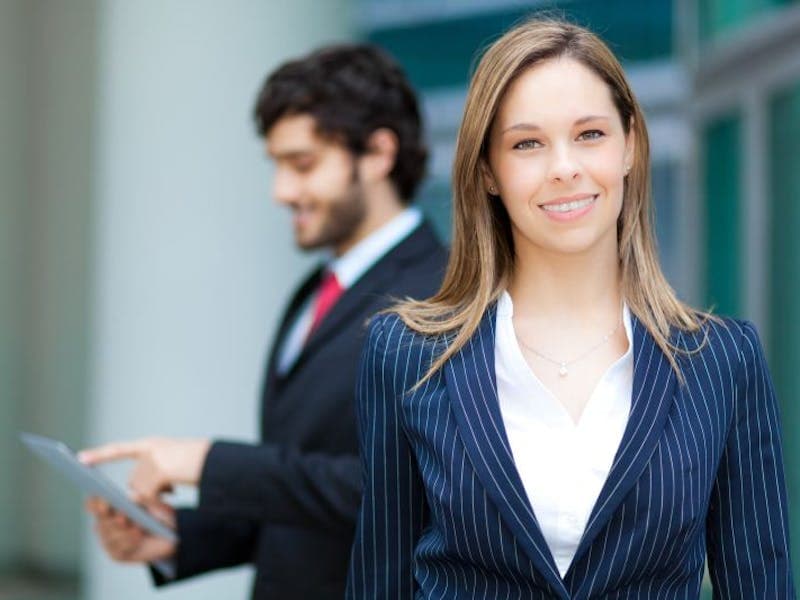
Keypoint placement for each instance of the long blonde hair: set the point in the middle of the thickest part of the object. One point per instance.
(482, 253)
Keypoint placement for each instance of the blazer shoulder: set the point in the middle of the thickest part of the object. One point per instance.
(389, 328)
(726, 338)
(391, 336)
(732, 331)
(749, 344)
(405, 355)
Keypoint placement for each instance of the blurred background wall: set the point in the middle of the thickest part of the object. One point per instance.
(143, 266)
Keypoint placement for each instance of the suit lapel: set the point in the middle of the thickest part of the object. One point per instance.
(302, 293)
(370, 287)
(471, 385)
(653, 390)
(365, 290)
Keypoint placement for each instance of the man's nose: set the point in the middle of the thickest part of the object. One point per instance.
(285, 187)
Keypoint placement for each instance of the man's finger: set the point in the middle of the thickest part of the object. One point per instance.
(161, 511)
(109, 452)
(119, 542)
(147, 482)
(97, 506)
(92, 505)
(121, 520)
(118, 523)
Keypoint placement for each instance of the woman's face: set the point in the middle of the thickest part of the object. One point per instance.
(558, 155)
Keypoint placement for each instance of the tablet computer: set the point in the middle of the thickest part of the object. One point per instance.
(93, 483)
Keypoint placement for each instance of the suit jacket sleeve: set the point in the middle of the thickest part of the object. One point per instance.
(393, 507)
(747, 526)
(279, 484)
(209, 541)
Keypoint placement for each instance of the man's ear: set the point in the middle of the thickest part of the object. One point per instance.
(379, 157)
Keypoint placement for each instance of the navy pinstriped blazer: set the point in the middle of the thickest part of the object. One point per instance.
(699, 470)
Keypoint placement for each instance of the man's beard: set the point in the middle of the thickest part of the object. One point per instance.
(343, 218)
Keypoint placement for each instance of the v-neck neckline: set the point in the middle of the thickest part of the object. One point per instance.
(526, 375)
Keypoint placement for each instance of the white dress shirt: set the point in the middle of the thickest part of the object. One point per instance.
(562, 464)
(349, 267)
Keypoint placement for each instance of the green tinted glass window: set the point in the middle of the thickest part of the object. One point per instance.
(719, 16)
(439, 53)
(784, 277)
(722, 208)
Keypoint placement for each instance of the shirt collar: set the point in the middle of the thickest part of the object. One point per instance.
(505, 310)
(351, 265)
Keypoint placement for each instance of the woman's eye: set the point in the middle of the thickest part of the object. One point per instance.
(527, 145)
(592, 134)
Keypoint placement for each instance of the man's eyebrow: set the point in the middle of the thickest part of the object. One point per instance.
(534, 127)
(289, 154)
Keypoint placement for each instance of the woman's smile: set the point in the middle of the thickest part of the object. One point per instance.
(570, 208)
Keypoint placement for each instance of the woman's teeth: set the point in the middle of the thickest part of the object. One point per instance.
(568, 206)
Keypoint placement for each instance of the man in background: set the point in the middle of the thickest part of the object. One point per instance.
(342, 127)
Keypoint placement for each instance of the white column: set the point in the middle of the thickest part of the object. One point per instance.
(14, 20)
(60, 64)
(192, 261)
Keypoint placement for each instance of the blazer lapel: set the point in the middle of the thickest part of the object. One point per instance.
(653, 390)
(472, 388)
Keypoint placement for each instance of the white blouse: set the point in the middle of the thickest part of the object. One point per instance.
(563, 465)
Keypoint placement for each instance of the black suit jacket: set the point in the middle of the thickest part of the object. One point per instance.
(289, 505)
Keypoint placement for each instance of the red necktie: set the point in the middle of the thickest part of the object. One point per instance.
(329, 292)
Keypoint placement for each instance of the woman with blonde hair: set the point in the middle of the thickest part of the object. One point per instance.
(554, 422)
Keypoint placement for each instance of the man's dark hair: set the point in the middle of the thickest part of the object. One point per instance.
(350, 90)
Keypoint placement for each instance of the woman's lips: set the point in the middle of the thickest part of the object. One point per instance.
(569, 210)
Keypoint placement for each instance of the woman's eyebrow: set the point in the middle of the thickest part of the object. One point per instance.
(588, 118)
(521, 127)
(534, 127)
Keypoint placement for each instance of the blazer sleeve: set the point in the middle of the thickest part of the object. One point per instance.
(747, 525)
(209, 541)
(393, 507)
(279, 484)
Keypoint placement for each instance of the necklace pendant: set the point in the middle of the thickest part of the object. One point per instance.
(563, 370)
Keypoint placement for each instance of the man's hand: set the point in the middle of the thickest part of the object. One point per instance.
(124, 541)
(161, 463)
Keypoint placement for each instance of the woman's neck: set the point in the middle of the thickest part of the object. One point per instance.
(572, 289)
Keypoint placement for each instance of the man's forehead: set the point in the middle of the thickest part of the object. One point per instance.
(297, 134)
(291, 134)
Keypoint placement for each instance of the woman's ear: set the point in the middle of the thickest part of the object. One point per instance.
(630, 148)
(379, 157)
(488, 179)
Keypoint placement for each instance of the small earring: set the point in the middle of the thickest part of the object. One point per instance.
(492, 190)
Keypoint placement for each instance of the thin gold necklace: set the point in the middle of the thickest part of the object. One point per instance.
(563, 371)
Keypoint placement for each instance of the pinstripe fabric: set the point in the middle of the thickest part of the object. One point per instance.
(699, 469)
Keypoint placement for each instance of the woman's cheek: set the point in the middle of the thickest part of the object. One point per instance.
(523, 180)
